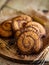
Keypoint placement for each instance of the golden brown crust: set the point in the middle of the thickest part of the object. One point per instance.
(27, 35)
(29, 41)
(6, 29)
(6, 26)
(38, 28)
(20, 21)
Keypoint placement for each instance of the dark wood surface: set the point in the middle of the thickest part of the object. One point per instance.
(46, 63)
